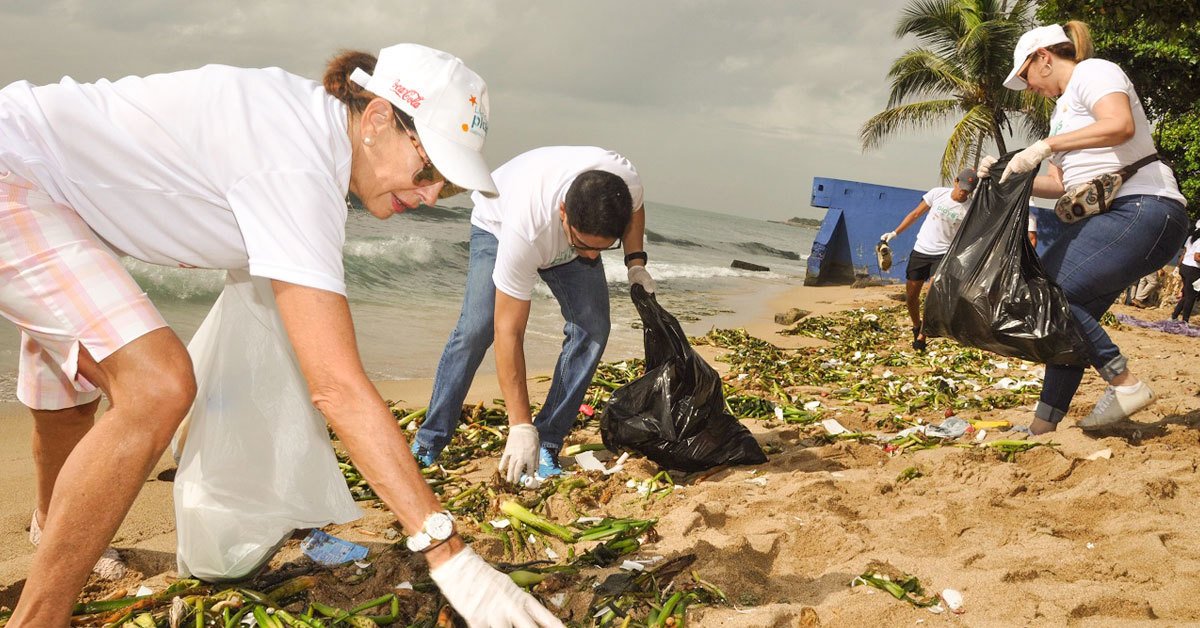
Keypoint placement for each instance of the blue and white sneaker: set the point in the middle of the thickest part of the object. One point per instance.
(548, 466)
(425, 457)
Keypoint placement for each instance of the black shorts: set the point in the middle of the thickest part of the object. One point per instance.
(921, 266)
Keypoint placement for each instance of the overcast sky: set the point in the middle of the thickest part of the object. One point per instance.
(729, 106)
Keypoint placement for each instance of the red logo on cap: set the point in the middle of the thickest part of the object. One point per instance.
(410, 96)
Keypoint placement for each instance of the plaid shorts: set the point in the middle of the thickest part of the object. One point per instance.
(64, 289)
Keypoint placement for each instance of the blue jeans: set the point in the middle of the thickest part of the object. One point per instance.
(582, 294)
(1094, 260)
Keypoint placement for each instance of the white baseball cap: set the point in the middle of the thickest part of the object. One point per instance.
(1040, 37)
(447, 101)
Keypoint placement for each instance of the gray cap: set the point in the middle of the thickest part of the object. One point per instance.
(967, 179)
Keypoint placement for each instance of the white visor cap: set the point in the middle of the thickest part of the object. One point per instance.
(1040, 37)
(448, 103)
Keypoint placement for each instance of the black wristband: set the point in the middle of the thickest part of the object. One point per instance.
(636, 255)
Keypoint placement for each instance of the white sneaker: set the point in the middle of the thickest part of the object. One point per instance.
(109, 567)
(1115, 406)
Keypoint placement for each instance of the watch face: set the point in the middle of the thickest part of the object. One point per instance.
(440, 526)
(418, 542)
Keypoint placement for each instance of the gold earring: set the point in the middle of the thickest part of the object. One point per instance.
(369, 141)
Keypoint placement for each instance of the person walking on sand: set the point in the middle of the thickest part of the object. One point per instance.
(228, 168)
(1098, 127)
(559, 208)
(1189, 272)
(949, 207)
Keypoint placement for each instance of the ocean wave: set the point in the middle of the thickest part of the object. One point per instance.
(759, 248)
(398, 259)
(180, 284)
(658, 238)
(437, 213)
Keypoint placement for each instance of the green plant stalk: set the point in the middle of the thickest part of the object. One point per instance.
(518, 512)
(575, 450)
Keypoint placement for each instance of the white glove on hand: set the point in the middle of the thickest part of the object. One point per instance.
(887, 237)
(487, 598)
(1027, 160)
(520, 453)
(985, 167)
(639, 275)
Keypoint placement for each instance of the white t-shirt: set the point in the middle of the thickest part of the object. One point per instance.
(1189, 253)
(525, 218)
(941, 221)
(1032, 220)
(1092, 80)
(218, 167)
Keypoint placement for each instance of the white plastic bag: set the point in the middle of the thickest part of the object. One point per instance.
(256, 462)
(1196, 285)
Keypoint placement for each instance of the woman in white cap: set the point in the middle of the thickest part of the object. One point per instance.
(1098, 127)
(226, 168)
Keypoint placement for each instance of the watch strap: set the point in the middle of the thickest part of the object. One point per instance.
(629, 257)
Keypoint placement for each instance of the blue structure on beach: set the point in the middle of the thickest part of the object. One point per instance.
(857, 213)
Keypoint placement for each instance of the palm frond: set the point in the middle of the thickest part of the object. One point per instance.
(919, 72)
(913, 115)
(963, 145)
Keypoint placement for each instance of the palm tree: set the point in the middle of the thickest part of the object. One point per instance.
(957, 74)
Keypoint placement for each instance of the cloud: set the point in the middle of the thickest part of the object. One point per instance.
(723, 105)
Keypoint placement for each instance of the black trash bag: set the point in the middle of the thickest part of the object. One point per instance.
(675, 413)
(990, 290)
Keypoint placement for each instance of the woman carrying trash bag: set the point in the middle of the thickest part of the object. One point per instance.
(226, 168)
(1098, 127)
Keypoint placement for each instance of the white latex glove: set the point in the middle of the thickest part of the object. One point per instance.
(520, 452)
(487, 598)
(887, 237)
(639, 275)
(1027, 160)
(985, 167)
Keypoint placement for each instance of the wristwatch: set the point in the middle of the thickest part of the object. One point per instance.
(636, 255)
(437, 528)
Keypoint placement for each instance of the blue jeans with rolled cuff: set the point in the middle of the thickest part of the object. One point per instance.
(1093, 261)
(582, 294)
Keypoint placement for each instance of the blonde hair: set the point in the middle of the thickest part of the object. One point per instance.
(1080, 46)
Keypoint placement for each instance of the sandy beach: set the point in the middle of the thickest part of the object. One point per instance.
(1097, 530)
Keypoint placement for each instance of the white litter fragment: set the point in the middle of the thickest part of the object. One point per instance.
(588, 462)
(532, 539)
(1091, 546)
(936, 609)
(778, 413)
(632, 565)
(412, 427)
(143, 590)
(757, 481)
(953, 600)
(870, 318)
(405, 586)
(553, 555)
(362, 564)
(499, 523)
(1103, 454)
(558, 599)
(979, 436)
(812, 405)
(589, 520)
(833, 427)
